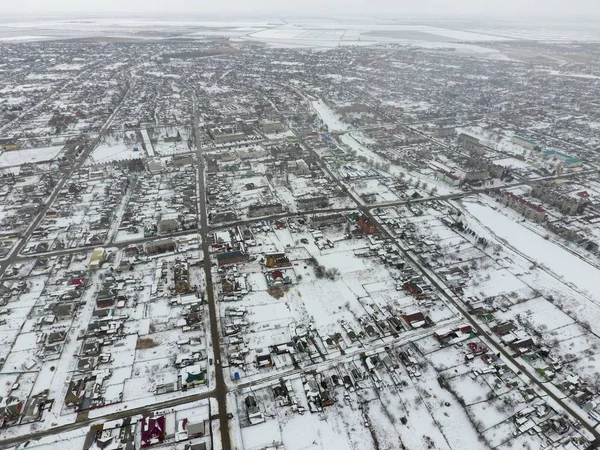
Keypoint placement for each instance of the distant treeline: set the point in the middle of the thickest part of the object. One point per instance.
(198, 53)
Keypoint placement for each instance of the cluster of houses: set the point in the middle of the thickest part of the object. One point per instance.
(82, 212)
(163, 203)
(21, 198)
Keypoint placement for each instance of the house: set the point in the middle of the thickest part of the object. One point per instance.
(192, 376)
(153, 430)
(75, 393)
(326, 398)
(168, 226)
(367, 225)
(97, 259)
(229, 258)
(253, 411)
(263, 358)
(56, 336)
(417, 320)
(273, 260)
(10, 409)
(277, 277)
(160, 246)
(504, 328)
(194, 428)
(522, 345)
(9, 144)
(477, 348)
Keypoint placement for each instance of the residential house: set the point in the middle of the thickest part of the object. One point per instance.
(274, 260)
(229, 258)
(168, 226)
(367, 225)
(97, 259)
(153, 430)
(161, 246)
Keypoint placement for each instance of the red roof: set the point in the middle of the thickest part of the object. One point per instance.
(477, 347)
(448, 174)
(77, 281)
(277, 274)
(153, 430)
(583, 194)
(524, 201)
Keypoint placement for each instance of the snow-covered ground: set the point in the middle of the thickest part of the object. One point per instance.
(328, 116)
(561, 262)
(32, 155)
(111, 152)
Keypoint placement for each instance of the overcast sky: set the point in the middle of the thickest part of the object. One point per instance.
(310, 7)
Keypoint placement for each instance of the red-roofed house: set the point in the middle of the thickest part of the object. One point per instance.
(78, 282)
(153, 430)
(367, 225)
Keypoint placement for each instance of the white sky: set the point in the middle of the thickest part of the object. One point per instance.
(310, 7)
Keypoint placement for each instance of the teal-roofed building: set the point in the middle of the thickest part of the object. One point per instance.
(524, 142)
(566, 160)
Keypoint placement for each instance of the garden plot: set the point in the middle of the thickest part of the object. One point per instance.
(171, 141)
(568, 332)
(581, 306)
(119, 148)
(470, 390)
(81, 214)
(374, 190)
(268, 324)
(460, 369)
(446, 358)
(580, 347)
(328, 302)
(556, 264)
(500, 433)
(587, 367)
(491, 283)
(31, 155)
(538, 313)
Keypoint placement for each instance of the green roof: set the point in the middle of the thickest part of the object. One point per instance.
(565, 157)
(525, 139)
(193, 377)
